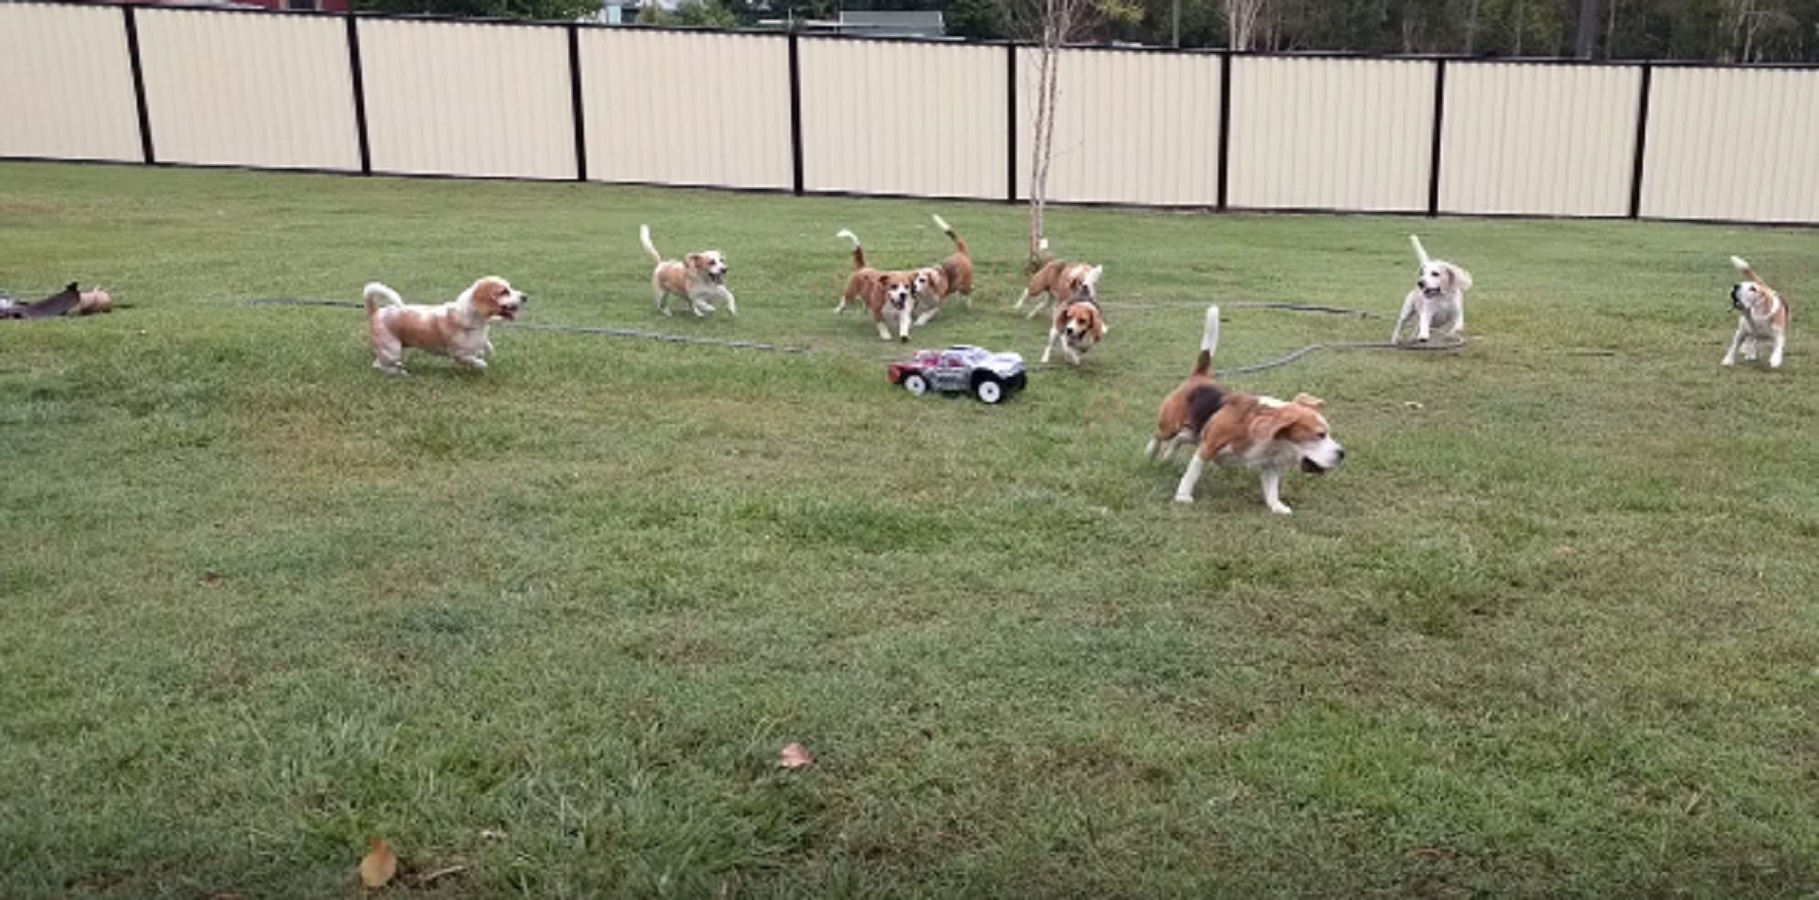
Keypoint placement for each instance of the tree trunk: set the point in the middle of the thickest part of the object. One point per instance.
(1585, 30)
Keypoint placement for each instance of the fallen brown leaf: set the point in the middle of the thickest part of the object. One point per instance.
(379, 866)
(795, 756)
(212, 579)
(1564, 551)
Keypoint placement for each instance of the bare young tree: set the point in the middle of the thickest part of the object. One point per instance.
(1054, 24)
(1242, 18)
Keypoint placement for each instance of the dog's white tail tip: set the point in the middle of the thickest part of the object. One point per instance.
(1210, 341)
(1739, 263)
(848, 234)
(942, 224)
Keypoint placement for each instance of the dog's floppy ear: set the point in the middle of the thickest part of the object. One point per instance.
(1310, 401)
(1093, 275)
(695, 261)
(1461, 278)
(1266, 425)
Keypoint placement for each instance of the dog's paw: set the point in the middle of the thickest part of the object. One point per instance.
(1281, 509)
(1728, 361)
(1184, 498)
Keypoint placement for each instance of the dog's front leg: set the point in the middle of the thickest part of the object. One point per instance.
(1408, 308)
(1774, 356)
(1049, 347)
(1424, 322)
(1184, 492)
(1272, 492)
(884, 328)
(1457, 332)
(1730, 356)
(732, 305)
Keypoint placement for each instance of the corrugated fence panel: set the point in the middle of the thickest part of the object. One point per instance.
(1538, 140)
(672, 108)
(1138, 128)
(231, 89)
(1326, 133)
(1733, 144)
(66, 85)
(886, 117)
(468, 99)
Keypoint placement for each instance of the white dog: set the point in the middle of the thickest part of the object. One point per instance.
(1438, 299)
(1761, 313)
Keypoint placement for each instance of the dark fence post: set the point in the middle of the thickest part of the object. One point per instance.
(795, 113)
(1433, 165)
(359, 79)
(576, 111)
(1636, 166)
(1225, 127)
(132, 55)
(1011, 123)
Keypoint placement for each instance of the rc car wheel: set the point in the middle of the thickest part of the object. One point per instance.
(915, 383)
(988, 390)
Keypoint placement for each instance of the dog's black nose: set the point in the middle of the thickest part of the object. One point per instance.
(1342, 454)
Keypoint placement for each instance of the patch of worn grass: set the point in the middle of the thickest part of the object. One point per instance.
(1549, 632)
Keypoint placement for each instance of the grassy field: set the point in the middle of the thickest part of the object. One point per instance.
(1551, 631)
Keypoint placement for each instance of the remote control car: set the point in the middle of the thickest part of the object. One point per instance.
(961, 369)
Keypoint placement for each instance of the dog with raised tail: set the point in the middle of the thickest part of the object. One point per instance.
(890, 296)
(1235, 429)
(698, 278)
(1437, 299)
(953, 275)
(457, 329)
(1060, 282)
(1761, 313)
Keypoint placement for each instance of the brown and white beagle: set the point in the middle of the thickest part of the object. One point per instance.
(1237, 429)
(698, 278)
(1061, 282)
(1078, 325)
(890, 296)
(457, 330)
(953, 275)
(1761, 313)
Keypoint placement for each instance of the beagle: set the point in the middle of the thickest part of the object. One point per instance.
(1078, 325)
(699, 278)
(1237, 429)
(1061, 282)
(1761, 313)
(891, 296)
(954, 275)
(1437, 300)
(457, 330)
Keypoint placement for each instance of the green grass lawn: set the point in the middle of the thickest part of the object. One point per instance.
(1551, 631)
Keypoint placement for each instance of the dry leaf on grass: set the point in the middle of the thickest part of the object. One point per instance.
(1565, 551)
(212, 579)
(379, 865)
(795, 756)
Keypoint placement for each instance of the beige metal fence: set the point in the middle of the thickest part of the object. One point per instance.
(672, 108)
(468, 99)
(1331, 133)
(1538, 139)
(935, 119)
(248, 90)
(1130, 127)
(1733, 144)
(66, 87)
(894, 117)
